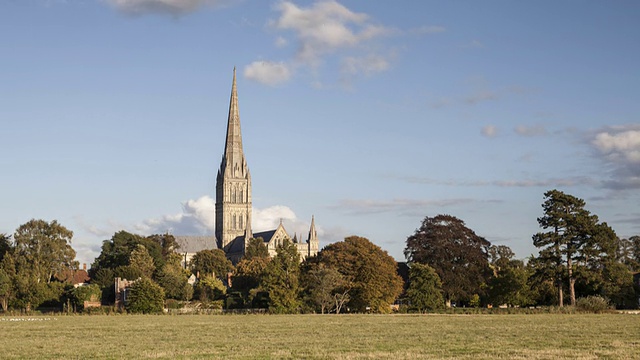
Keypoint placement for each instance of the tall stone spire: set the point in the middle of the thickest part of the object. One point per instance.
(233, 183)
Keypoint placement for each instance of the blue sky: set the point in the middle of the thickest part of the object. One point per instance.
(368, 115)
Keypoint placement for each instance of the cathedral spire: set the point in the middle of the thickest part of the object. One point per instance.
(233, 183)
(313, 235)
(233, 144)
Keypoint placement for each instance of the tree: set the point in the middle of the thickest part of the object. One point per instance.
(117, 251)
(256, 249)
(249, 274)
(458, 255)
(45, 247)
(323, 287)
(142, 261)
(146, 297)
(425, 288)
(78, 295)
(371, 271)
(210, 288)
(628, 252)
(281, 279)
(173, 279)
(211, 262)
(510, 285)
(574, 238)
(5, 245)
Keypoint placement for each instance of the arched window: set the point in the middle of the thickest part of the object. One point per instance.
(234, 221)
(241, 218)
(241, 196)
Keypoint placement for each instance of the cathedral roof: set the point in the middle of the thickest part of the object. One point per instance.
(193, 244)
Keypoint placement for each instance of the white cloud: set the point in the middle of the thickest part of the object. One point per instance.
(197, 218)
(325, 27)
(267, 72)
(536, 130)
(619, 148)
(172, 7)
(364, 65)
(620, 145)
(490, 131)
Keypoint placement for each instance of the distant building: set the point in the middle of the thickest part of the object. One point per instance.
(233, 204)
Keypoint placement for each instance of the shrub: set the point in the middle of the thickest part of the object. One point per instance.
(145, 297)
(593, 304)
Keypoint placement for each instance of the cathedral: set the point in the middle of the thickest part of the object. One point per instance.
(233, 204)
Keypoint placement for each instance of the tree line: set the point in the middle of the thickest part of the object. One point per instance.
(448, 265)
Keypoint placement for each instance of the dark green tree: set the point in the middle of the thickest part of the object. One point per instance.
(425, 288)
(371, 271)
(5, 245)
(211, 262)
(173, 279)
(510, 285)
(146, 297)
(281, 279)
(573, 239)
(256, 248)
(78, 295)
(210, 288)
(459, 256)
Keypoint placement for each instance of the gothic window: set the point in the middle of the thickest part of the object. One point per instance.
(241, 195)
(241, 218)
(234, 221)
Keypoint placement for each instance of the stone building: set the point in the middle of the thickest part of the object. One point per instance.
(233, 204)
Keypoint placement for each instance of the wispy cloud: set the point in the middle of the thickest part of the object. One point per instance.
(619, 148)
(536, 130)
(329, 31)
(481, 95)
(544, 183)
(167, 7)
(267, 72)
(402, 206)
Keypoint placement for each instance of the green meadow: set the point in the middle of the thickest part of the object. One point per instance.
(540, 336)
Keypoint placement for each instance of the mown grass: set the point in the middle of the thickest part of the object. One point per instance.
(543, 336)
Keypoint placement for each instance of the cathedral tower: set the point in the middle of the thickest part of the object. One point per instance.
(233, 183)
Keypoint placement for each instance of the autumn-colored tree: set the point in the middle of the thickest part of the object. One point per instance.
(371, 271)
(458, 255)
(141, 260)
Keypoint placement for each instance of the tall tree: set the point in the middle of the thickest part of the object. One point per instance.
(573, 238)
(282, 277)
(323, 287)
(45, 247)
(5, 245)
(459, 256)
(371, 271)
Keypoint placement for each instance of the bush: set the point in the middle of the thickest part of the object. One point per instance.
(145, 297)
(593, 304)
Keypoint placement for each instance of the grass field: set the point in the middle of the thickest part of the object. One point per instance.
(548, 336)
